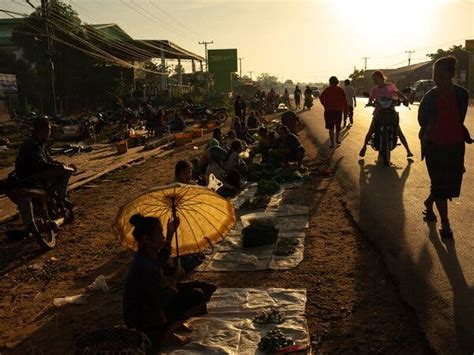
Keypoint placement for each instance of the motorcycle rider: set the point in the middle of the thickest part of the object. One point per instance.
(384, 89)
(297, 95)
(34, 166)
(308, 97)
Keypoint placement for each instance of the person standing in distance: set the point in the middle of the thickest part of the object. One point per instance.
(334, 101)
(351, 103)
(297, 95)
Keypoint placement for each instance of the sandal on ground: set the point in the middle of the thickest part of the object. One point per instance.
(429, 216)
(446, 232)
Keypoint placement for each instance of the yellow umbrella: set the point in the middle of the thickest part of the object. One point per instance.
(205, 216)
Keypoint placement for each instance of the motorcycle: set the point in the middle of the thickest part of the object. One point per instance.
(308, 101)
(203, 113)
(385, 137)
(43, 208)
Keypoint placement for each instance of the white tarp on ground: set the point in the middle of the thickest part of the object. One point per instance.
(229, 255)
(228, 327)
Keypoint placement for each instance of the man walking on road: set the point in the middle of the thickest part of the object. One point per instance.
(351, 103)
(334, 101)
(297, 95)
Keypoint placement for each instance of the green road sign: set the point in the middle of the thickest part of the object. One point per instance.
(222, 60)
(222, 81)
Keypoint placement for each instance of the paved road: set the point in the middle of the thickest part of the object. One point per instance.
(435, 277)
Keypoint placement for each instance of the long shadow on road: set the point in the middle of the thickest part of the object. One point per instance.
(462, 294)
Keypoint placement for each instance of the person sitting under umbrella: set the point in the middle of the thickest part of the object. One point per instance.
(183, 173)
(231, 181)
(287, 148)
(150, 304)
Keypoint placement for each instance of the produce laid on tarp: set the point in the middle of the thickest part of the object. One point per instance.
(269, 316)
(285, 246)
(267, 188)
(274, 340)
(258, 234)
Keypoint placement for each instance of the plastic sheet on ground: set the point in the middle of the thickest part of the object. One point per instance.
(228, 327)
(229, 255)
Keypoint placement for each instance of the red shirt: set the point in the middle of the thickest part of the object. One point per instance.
(448, 128)
(333, 98)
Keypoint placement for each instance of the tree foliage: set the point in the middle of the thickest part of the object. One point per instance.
(82, 79)
(458, 51)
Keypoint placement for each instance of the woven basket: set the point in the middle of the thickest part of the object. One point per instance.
(112, 341)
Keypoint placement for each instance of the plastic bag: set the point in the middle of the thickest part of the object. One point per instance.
(99, 283)
(77, 299)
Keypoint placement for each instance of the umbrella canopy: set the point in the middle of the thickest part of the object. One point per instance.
(205, 216)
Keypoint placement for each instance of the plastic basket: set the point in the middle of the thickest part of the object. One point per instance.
(122, 147)
(183, 138)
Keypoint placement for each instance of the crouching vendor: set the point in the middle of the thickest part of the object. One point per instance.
(152, 304)
(287, 148)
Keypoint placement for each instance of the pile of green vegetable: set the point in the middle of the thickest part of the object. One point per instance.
(258, 234)
(267, 188)
(271, 315)
(274, 340)
(286, 247)
(286, 176)
(257, 172)
(256, 202)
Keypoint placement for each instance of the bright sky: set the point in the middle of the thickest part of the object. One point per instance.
(302, 40)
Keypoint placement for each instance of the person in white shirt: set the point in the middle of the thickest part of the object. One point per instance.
(351, 102)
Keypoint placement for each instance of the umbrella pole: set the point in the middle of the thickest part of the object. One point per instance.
(173, 210)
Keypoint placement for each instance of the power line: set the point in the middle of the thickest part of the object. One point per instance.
(105, 56)
(144, 13)
(121, 43)
(172, 17)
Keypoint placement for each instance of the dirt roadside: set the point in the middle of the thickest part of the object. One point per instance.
(353, 306)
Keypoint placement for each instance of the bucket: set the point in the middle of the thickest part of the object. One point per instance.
(197, 132)
(122, 147)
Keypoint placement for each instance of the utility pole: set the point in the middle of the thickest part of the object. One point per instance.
(205, 43)
(240, 66)
(49, 54)
(205, 51)
(365, 62)
(409, 56)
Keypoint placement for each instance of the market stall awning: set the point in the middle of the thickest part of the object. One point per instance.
(117, 42)
(171, 50)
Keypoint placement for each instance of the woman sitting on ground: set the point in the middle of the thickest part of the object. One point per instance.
(234, 162)
(264, 144)
(231, 181)
(252, 121)
(150, 304)
(287, 148)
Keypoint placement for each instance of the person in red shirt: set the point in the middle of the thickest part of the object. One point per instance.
(333, 99)
(443, 136)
